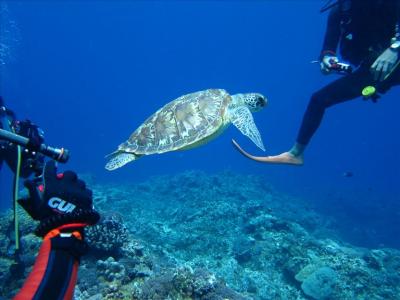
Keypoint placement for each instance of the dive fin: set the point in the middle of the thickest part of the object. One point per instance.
(119, 159)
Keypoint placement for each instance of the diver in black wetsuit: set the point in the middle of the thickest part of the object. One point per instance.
(63, 206)
(367, 34)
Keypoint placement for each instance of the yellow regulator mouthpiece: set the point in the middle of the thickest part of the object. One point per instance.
(368, 91)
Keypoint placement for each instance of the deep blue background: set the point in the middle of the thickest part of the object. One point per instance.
(90, 72)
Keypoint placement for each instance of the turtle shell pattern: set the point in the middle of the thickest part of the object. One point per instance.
(180, 123)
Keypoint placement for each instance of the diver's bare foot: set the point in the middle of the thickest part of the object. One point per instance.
(284, 158)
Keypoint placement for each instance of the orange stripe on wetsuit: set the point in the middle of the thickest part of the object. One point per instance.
(54, 273)
(34, 279)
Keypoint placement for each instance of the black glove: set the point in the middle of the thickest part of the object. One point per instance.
(60, 199)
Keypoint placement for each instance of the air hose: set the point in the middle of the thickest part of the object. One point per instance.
(16, 191)
(15, 204)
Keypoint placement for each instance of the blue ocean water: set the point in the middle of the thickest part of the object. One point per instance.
(90, 72)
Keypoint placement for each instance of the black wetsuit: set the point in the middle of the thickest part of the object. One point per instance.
(362, 30)
(1, 127)
(54, 273)
(4, 124)
(8, 153)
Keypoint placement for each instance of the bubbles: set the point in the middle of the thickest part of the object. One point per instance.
(9, 35)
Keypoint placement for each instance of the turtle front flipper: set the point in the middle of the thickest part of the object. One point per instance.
(242, 118)
(118, 159)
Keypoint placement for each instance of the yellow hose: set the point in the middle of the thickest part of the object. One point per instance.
(16, 192)
(16, 223)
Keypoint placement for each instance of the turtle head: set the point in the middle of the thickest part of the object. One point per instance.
(254, 101)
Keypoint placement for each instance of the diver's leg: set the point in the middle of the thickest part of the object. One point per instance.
(341, 90)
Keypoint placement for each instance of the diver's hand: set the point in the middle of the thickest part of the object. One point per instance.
(384, 64)
(57, 193)
(60, 200)
(326, 63)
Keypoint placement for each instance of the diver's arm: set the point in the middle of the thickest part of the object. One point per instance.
(389, 59)
(64, 206)
(332, 33)
(396, 35)
(55, 271)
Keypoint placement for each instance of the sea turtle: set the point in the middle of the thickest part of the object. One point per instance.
(190, 121)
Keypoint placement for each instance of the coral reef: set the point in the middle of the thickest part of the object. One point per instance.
(110, 270)
(108, 235)
(223, 236)
(14, 266)
(185, 283)
(320, 283)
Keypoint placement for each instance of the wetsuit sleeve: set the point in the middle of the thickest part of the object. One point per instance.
(332, 33)
(397, 26)
(54, 273)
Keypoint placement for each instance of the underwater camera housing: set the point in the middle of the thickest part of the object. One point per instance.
(341, 68)
(31, 161)
(22, 148)
(30, 137)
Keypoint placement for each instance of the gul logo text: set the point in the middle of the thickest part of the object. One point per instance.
(61, 205)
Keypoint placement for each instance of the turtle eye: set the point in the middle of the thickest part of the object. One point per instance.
(260, 102)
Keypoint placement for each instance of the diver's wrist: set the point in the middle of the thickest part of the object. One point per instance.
(395, 46)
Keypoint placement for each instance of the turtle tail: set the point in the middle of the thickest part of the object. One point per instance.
(118, 159)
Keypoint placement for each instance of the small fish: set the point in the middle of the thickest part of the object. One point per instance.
(348, 174)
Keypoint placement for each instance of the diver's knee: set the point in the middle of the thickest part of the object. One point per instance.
(319, 100)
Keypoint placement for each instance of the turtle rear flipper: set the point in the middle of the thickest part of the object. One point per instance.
(119, 159)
